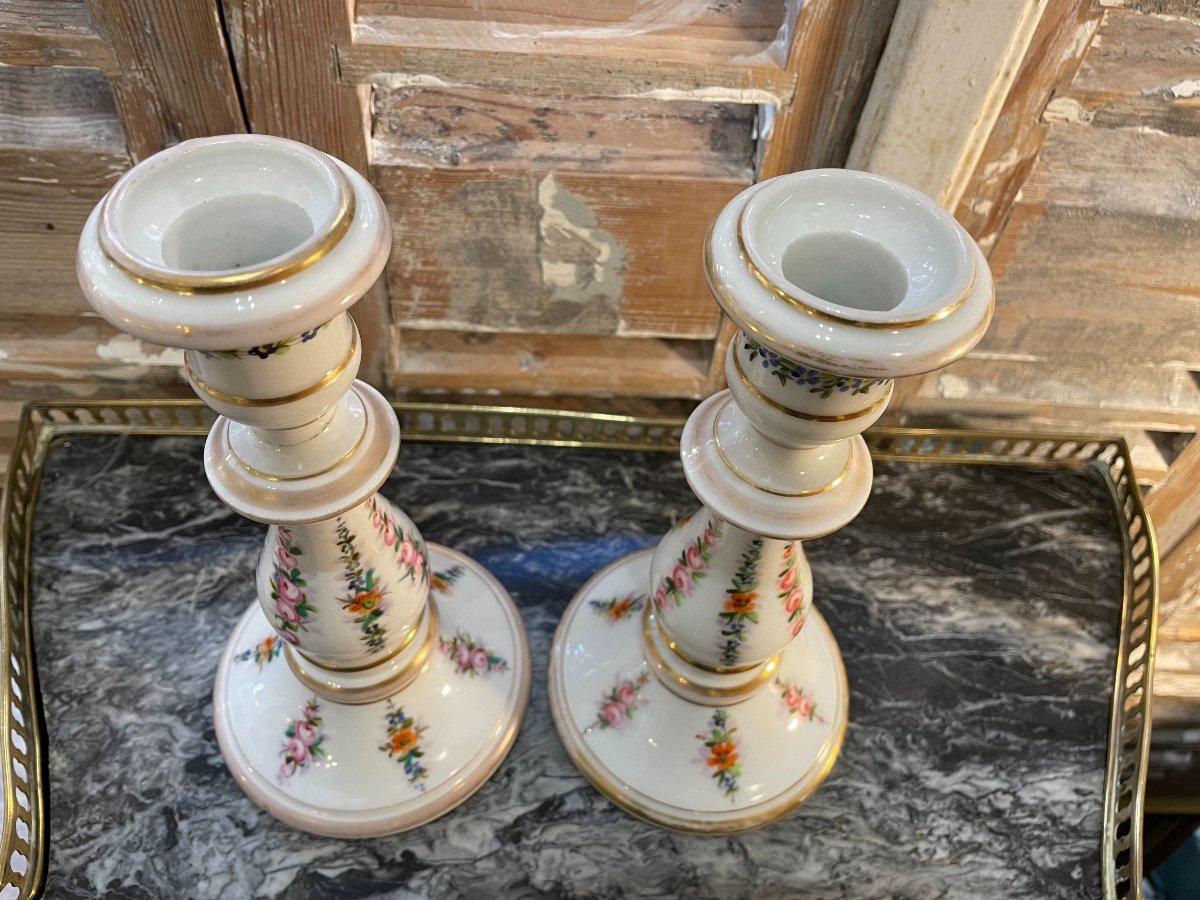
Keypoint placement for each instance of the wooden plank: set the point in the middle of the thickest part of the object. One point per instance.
(81, 350)
(1173, 506)
(941, 84)
(1089, 168)
(45, 197)
(547, 365)
(286, 59)
(693, 31)
(1141, 74)
(174, 79)
(550, 252)
(833, 56)
(58, 108)
(395, 66)
(51, 33)
(467, 129)
(1058, 46)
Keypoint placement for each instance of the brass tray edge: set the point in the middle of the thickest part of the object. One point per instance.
(23, 848)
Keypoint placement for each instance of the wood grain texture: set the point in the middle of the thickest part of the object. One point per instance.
(562, 252)
(393, 65)
(693, 31)
(174, 80)
(286, 59)
(1142, 73)
(833, 56)
(482, 130)
(547, 365)
(1054, 55)
(1172, 505)
(52, 33)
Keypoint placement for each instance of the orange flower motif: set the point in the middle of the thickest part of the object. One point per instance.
(741, 603)
(364, 603)
(723, 756)
(438, 583)
(267, 645)
(404, 740)
(621, 608)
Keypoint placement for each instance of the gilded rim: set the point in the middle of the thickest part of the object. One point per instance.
(674, 680)
(327, 236)
(806, 308)
(371, 692)
(261, 402)
(680, 819)
(811, 492)
(265, 476)
(797, 414)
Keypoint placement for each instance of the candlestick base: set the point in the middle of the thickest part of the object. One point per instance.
(677, 763)
(370, 769)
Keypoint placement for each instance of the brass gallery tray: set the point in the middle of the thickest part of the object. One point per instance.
(27, 776)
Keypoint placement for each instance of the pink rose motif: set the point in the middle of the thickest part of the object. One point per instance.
(287, 769)
(795, 598)
(389, 533)
(287, 590)
(291, 637)
(613, 713)
(376, 519)
(310, 712)
(286, 559)
(307, 732)
(791, 697)
(682, 578)
(462, 656)
(626, 695)
(796, 628)
(694, 558)
(407, 552)
(788, 581)
(660, 598)
(709, 537)
(287, 612)
(297, 750)
(479, 660)
(804, 709)
(419, 564)
(285, 535)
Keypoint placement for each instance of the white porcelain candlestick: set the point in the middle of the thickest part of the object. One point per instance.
(696, 685)
(378, 681)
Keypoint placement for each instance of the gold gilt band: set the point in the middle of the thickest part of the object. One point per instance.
(266, 272)
(732, 466)
(674, 680)
(327, 379)
(804, 307)
(797, 414)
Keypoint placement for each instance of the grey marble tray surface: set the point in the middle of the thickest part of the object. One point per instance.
(978, 609)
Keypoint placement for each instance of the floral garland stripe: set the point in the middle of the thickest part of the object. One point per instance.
(817, 382)
(619, 704)
(403, 744)
(741, 607)
(720, 752)
(302, 742)
(293, 612)
(690, 568)
(364, 597)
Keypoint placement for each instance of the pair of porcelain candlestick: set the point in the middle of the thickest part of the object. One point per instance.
(379, 680)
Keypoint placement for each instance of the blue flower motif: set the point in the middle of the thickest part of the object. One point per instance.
(262, 351)
(307, 336)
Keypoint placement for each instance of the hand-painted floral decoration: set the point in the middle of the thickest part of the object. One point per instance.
(619, 704)
(302, 741)
(617, 609)
(472, 657)
(413, 558)
(720, 752)
(262, 653)
(293, 612)
(443, 581)
(264, 351)
(364, 598)
(791, 592)
(818, 382)
(797, 701)
(690, 568)
(403, 744)
(742, 606)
